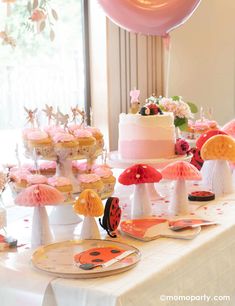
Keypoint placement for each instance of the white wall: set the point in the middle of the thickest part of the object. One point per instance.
(202, 58)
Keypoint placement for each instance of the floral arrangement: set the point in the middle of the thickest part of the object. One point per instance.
(182, 111)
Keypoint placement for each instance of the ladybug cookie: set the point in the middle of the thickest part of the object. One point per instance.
(112, 216)
(201, 196)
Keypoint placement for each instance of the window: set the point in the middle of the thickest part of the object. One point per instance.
(38, 71)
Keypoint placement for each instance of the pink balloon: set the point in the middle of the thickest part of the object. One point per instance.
(153, 17)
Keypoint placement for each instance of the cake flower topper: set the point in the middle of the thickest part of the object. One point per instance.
(139, 175)
(182, 111)
(49, 112)
(153, 99)
(31, 116)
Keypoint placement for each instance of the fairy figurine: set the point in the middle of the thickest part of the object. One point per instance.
(31, 116)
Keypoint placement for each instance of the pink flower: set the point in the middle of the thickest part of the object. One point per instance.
(181, 147)
(38, 15)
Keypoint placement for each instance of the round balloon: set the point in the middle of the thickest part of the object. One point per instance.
(152, 17)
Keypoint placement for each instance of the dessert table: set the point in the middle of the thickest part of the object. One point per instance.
(168, 267)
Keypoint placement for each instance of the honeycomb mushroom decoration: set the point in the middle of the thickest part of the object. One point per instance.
(38, 196)
(208, 165)
(90, 206)
(229, 128)
(221, 149)
(181, 172)
(140, 175)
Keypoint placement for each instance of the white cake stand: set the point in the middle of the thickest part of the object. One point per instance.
(115, 161)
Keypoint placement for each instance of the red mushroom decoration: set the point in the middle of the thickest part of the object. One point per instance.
(39, 196)
(180, 171)
(140, 175)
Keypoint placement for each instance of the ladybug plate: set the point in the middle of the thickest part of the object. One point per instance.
(112, 216)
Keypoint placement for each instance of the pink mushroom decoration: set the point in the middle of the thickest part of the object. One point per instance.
(180, 171)
(38, 196)
(229, 128)
(140, 175)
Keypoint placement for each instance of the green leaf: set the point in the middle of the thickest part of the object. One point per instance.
(52, 35)
(175, 98)
(184, 127)
(42, 26)
(29, 7)
(179, 121)
(54, 14)
(193, 107)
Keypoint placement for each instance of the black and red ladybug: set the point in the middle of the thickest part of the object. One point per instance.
(112, 216)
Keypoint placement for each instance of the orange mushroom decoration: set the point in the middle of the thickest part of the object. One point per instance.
(39, 196)
(208, 165)
(90, 206)
(180, 171)
(140, 175)
(221, 149)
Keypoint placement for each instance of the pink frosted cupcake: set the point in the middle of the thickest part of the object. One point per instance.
(96, 133)
(87, 143)
(41, 142)
(90, 181)
(36, 179)
(25, 133)
(61, 183)
(19, 179)
(53, 129)
(47, 168)
(65, 144)
(74, 127)
(107, 178)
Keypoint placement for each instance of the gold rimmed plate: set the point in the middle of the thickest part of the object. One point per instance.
(58, 258)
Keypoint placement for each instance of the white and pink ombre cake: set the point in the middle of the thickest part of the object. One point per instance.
(146, 137)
